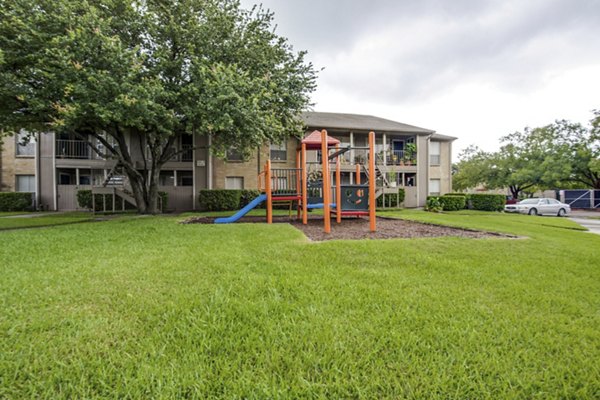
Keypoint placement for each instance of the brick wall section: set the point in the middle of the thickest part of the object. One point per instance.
(11, 165)
(250, 168)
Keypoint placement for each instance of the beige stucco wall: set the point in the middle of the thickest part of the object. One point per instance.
(443, 172)
(12, 165)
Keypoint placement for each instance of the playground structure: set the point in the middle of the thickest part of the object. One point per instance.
(296, 185)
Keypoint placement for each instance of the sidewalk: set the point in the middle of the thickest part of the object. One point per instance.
(37, 214)
(592, 224)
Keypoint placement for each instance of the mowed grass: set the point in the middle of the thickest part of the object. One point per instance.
(16, 221)
(149, 308)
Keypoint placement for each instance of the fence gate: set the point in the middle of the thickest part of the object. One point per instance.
(581, 198)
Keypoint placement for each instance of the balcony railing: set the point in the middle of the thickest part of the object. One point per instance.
(73, 149)
(187, 152)
(400, 157)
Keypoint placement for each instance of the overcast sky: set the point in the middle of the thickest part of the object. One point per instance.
(473, 69)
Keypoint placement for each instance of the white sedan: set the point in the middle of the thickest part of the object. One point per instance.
(539, 207)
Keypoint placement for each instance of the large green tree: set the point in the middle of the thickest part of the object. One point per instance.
(562, 154)
(153, 69)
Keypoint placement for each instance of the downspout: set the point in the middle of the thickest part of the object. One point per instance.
(37, 171)
(194, 170)
(54, 188)
(209, 169)
(426, 170)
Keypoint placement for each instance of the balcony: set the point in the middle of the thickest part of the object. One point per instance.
(187, 153)
(401, 158)
(73, 149)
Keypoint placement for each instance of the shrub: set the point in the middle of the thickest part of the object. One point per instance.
(247, 196)
(219, 200)
(433, 204)
(16, 201)
(393, 199)
(84, 199)
(487, 202)
(453, 202)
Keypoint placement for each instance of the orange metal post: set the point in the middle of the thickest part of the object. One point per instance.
(304, 186)
(357, 174)
(326, 184)
(298, 190)
(268, 190)
(338, 189)
(372, 201)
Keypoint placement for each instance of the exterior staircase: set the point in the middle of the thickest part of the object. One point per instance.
(116, 185)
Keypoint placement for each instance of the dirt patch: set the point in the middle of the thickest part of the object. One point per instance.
(358, 228)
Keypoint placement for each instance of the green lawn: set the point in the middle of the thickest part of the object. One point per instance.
(148, 308)
(18, 222)
(13, 213)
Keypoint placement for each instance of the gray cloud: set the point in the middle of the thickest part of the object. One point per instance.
(400, 51)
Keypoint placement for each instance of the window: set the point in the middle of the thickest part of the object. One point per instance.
(234, 182)
(66, 176)
(166, 178)
(25, 144)
(185, 178)
(434, 187)
(25, 183)
(85, 177)
(278, 152)
(410, 179)
(434, 153)
(234, 155)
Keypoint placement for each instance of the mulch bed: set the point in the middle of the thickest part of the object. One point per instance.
(358, 228)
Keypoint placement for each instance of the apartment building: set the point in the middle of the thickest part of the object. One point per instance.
(55, 167)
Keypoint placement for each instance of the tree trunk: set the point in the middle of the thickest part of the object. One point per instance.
(514, 191)
(144, 188)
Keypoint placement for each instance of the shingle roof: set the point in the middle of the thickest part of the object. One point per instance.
(357, 122)
(442, 138)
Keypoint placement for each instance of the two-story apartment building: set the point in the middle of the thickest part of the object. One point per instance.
(55, 167)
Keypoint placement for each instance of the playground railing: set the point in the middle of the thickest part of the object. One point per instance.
(285, 181)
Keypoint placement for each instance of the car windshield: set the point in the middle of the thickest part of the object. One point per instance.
(529, 201)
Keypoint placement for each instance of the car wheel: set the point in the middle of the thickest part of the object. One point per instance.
(561, 212)
(533, 211)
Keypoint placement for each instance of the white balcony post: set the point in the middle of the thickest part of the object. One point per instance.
(384, 137)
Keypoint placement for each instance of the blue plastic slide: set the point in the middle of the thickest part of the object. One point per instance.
(318, 205)
(243, 211)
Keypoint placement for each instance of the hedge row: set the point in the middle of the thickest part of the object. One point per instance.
(10, 201)
(392, 199)
(487, 202)
(84, 199)
(475, 201)
(226, 199)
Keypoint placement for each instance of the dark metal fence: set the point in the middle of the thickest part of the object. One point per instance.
(581, 198)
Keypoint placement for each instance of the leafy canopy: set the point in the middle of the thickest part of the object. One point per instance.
(153, 69)
(562, 154)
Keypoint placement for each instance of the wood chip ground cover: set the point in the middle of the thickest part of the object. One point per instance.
(358, 228)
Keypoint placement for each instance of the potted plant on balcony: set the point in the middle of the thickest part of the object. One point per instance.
(391, 178)
(410, 152)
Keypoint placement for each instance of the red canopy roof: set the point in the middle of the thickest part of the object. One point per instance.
(313, 141)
